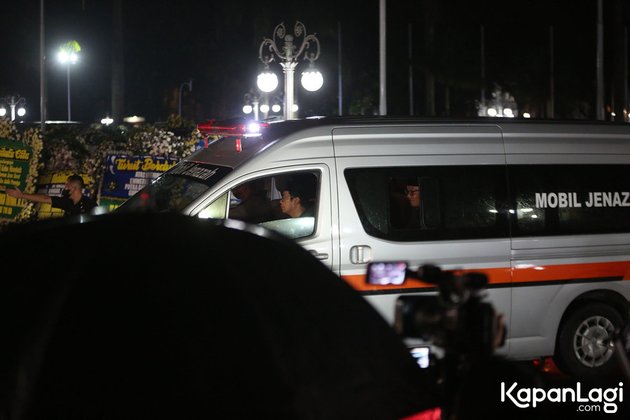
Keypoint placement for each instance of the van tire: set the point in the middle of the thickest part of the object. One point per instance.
(585, 348)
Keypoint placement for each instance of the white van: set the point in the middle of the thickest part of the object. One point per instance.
(542, 208)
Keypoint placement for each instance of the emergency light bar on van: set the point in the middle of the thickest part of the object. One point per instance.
(242, 129)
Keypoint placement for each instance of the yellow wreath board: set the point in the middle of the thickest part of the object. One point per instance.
(19, 165)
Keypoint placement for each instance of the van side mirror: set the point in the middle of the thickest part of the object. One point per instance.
(430, 202)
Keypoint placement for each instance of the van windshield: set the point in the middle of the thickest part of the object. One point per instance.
(175, 189)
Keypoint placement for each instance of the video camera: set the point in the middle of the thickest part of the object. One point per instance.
(456, 319)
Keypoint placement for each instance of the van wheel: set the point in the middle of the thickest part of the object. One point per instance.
(585, 346)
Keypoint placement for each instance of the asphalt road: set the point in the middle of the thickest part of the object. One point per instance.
(508, 390)
(614, 395)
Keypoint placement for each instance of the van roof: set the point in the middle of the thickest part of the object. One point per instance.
(283, 127)
(222, 152)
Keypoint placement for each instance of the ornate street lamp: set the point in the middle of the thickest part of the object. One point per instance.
(288, 54)
(17, 105)
(267, 81)
(502, 104)
(251, 104)
(263, 104)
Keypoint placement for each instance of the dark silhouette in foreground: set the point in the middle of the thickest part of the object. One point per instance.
(165, 316)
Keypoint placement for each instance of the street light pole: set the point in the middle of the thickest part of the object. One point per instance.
(68, 54)
(42, 71)
(289, 53)
(289, 72)
(69, 108)
(189, 84)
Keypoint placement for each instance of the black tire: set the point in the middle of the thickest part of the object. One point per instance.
(584, 347)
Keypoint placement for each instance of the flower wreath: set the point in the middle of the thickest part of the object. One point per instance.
(31, 138)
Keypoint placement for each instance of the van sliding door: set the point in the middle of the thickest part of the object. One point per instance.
(461, 222)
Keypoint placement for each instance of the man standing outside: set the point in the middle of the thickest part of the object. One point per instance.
(72, 200)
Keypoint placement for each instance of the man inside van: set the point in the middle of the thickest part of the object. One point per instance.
(298, 198)
(253, 206)
(412, 192)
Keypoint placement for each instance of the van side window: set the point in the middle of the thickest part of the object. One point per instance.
(286, 203)
(430, 203)
(253, 202)
(569, 199)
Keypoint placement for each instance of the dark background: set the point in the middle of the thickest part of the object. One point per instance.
(165, 43)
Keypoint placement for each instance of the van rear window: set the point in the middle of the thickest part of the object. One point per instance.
(430, 203)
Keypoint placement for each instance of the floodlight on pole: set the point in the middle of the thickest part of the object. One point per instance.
(69, 54)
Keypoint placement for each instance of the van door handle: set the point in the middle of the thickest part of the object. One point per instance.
(360, 254)
(318, 255)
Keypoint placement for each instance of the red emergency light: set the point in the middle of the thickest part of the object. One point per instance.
(206, 127)
(232, 128)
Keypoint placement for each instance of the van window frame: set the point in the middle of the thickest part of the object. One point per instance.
(424, 234)
(276, 172)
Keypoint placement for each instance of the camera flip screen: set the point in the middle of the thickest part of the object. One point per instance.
(421, 355)
(387, 273)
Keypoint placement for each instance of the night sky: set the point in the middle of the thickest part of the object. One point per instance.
(216, 44)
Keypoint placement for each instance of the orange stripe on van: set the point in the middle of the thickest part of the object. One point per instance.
(357, 281)
(531, 273)
(519, 274)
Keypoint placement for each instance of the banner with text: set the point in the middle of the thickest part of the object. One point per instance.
(14, 165)
(126, 175)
